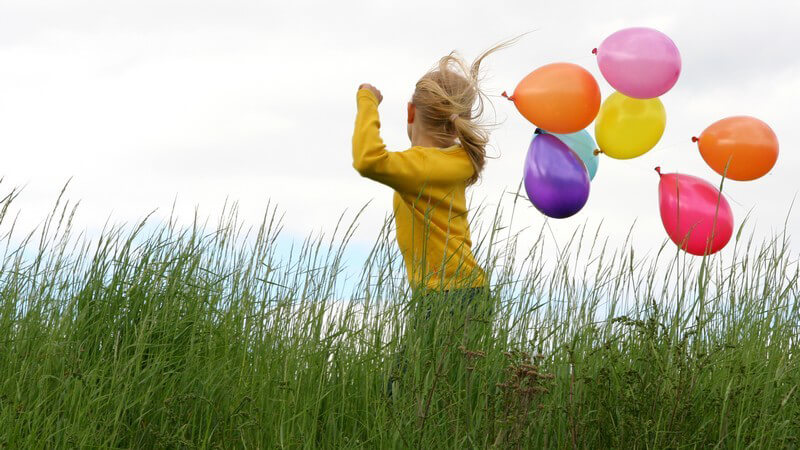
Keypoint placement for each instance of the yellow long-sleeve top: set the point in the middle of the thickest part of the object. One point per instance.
(429, 202)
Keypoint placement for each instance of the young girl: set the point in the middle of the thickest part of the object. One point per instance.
(447, 154)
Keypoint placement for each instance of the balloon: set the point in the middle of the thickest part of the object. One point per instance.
(556, 180)
(749, 144)
(559, 97)
(690, 208)
(583, 145)
(629, 127)
(639, 62)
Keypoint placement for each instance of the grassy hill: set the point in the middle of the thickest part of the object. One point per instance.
(207, 337)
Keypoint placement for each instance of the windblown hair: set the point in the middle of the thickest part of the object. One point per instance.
(449, 102)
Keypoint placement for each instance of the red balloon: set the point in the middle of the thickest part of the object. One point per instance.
(695, 214)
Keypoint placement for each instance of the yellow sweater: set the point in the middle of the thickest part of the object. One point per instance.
(429, 202)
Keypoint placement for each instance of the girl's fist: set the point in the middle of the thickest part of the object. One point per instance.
(372, 89)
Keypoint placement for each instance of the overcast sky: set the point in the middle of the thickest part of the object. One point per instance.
(144, 101)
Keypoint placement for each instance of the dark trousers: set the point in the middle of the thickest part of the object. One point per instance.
(454, 322)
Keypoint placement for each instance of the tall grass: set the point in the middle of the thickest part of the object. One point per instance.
(209, 336)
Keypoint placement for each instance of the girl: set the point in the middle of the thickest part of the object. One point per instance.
(447, 154)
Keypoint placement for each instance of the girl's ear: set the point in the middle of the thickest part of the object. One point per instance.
(411, 111)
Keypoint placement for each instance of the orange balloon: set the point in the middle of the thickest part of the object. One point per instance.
(748, 143)
(560, 98)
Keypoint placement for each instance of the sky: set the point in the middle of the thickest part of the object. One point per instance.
(144, 104)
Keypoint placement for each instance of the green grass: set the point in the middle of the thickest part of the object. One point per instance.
(211, 336)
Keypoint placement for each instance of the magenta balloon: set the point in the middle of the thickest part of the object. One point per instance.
(556, 179)
(639, 62)
(696, 216)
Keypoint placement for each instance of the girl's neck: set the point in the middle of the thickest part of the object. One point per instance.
(426, 140)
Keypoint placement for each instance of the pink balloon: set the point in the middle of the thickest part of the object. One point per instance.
(639, 62)
(690, 209)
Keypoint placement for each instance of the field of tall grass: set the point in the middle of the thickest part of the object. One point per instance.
(209, 336)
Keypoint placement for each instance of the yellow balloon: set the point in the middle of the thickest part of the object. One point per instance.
(629, 127)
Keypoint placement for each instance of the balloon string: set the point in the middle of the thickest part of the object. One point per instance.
(726, 194)
(660, 148)
(555, 241)
(651, 152)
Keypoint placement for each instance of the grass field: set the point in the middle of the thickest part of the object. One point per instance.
(207, 336)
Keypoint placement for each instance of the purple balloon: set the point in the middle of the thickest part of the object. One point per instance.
(639, 62)
(555, 178)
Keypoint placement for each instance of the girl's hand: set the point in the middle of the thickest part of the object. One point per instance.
(372, 89)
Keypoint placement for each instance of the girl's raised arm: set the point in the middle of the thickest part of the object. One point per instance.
(402, 171)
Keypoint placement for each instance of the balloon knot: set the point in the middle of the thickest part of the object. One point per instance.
(594, 51)
(694, 139)
(537, 131)
(504, 94)
(597, 151)
(658, 169)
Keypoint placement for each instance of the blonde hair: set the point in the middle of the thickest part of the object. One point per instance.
(449, 102)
